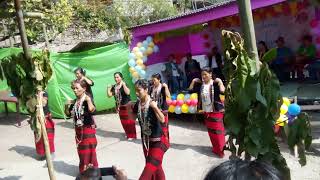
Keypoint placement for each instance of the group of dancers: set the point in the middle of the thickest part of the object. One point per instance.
(150, 109)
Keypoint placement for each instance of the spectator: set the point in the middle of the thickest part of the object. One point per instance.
(173, 74)
(215, 62)
(238, 169)
(192, 68)
(282, 64)
(80, 74)
(262, 49)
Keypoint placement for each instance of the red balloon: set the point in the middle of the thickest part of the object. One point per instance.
(194, 102)
(179, 102)
(174, 102)
(314, 23)
(169, 102)
(206, 36)
(188, 102)
(300, 6)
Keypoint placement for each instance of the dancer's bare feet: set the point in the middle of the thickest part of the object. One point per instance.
(120, 174)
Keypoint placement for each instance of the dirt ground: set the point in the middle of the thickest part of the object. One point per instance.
(189, 157)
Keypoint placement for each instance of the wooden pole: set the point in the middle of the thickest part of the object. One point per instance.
(247, 28)
(40, 114)
(22, 29)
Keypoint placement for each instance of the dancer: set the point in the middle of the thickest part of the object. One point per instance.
(50, 126)
(154, 141)
(123, 106)
(81, 75)
(81, 109)
(213, 108)
(159, 92)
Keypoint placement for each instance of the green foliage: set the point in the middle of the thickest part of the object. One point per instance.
(252, 105)
(300, 135)
(25, 78)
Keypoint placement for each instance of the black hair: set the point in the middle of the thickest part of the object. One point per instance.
(119, 73)
(82, 83)
(142, 83)
(307, 37)
(263, 44)
(238, 169)
(81, 70)
(156, 75)
(189, 55)
(206, 69)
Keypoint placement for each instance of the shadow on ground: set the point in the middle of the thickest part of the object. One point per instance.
(65, 168)
(25, 151)
(11, 178)
(11, 119)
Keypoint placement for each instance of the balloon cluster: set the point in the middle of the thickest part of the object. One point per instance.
(139, 55)
(183, 103)
(288, 112)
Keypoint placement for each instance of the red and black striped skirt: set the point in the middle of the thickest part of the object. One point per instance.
(50, 132)
(214, 124)
(127, 119)
(86, 146)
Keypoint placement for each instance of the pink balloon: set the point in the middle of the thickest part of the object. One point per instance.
(188, 102)
(194, 102)
(174, 102)
(318, 40)
(314, 23)
(169, 102)
(179, 103)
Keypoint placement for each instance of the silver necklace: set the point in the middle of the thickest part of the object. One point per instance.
(79, 111)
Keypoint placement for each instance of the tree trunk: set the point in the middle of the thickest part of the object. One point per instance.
(41, 120)
(247, 27)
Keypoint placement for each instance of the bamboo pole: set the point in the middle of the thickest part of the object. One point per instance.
(247, 28)
(40, 114)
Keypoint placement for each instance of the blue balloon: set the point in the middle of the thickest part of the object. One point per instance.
(174, 97)
(138, 68)
(192, 109)
(294, 109)
(177, 110)
(142, 49)
(186, 97)
(155, 49)
(145, 44)
(149, 39)
(132, 56)
(145, 59)
(131, 63)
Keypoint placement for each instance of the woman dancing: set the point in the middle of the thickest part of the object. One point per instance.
(159, 92)
(213, 108)
(81, 109)
(123, 106)
(154, 140)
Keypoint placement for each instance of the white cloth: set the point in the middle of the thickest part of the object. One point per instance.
(205, 97)
(174, 70)
(214, 62)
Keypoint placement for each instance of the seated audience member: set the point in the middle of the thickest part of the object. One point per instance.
(283, 62)
(215, 62)
(262, 49)
(173, 74)
(238, 169)
(306, 54)
(97, 174)
(192, 68)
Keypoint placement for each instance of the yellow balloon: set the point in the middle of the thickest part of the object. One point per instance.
(180, 97)
(222, 97)
(139, 62)
(171, 108)
(139, 44)
(282, 120)
(135, 49)
(194, 96)
(149, 51)
(184, 108)
(283, 109)
(135, 75)
(139, 54)
(131, 70)
(286, 101)
(151, 44)
(143, 66)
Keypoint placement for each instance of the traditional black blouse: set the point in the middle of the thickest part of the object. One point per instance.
(87, 115)
(124, 97)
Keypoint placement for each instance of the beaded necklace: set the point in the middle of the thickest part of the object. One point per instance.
(156, 94)
(211, 95)
(118, 95)
(144, 121)
(78, 110)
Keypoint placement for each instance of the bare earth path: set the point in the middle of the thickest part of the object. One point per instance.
(189, 157)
